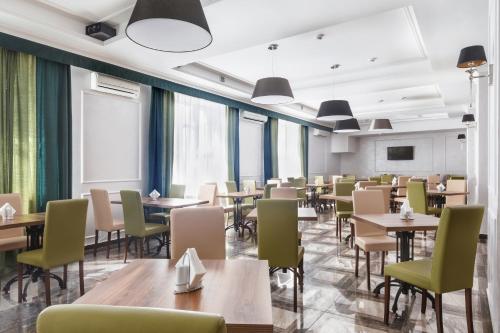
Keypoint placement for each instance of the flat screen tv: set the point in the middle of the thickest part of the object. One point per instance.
(401, 153)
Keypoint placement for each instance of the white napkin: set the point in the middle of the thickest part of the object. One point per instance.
(189, 272)
(394, 181)
(406, 212)
(357, 186)
(7, 211)
(441, 187)
(154, 195)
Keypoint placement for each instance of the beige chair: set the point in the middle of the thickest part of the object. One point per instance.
(455, 185)
(284, 193)
(335, 178)
(12, 239)
(318, 180)
(251, 185)
(103, 219)
(387, 195)
(402, 181)
(201, 228)
(368, 237)
(276, 181)
(208, 192)
(433, 181)
(364, 183)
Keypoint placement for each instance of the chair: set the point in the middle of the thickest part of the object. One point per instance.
(402, 181)
(459, 185)
(176, 191)
(300, 182)
(417, 197)
(318, 180)
(375, 179)
(276, 181)
(368, 237)
(350, 178)
(286, 184)
(12, 239)
(364, 183)
(136, 226)
(267, 190)
(63, 244)
(433, 181)
(251, 185)
(207, 192)
(125, 319)
(343, 210)
(451, 267)
(103, 219)
(290, 179)
(201, 228)
(278, 239)
(386, 190)
(284, 193)
(335, 178)
(385, 179)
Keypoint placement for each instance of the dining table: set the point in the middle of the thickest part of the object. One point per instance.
(304, 214)
(167, 203)
(237, 198)
(314, 189)
(151, 283)
(405, 231)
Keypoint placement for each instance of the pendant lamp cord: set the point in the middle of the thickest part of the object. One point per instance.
(272, 48)
(470, 90)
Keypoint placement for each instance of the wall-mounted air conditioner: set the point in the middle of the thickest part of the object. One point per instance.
(318, 132)
(113, 85)
(253, 116)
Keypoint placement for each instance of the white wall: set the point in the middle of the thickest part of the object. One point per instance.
(321, 161)
(434, 153)
(110, 140)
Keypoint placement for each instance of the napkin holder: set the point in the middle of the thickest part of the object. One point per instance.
(406, 212)
(7, 211)
(357, 186)
(154, 195)
(441, 187)
(394, 181)
(189, 272)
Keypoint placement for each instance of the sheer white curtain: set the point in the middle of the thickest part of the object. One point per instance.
(289, 162)
(200, 143)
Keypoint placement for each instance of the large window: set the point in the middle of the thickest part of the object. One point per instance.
(289, 155)
(200, 143)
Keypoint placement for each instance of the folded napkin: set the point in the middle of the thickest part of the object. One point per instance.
(7, 211)
(154, 195)
(441, 187)
(357, 186)
(406, 212)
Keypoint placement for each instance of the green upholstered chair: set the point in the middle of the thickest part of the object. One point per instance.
(135, 223)
(375, 179)
(277, 228)
(251, 185)
(85, 318)
(302, 193)
(343, 210)
(417, 196)
(386, 179)
(452, 265)
(177, 191)
(63, 243)
(290, 179)
(267, 190)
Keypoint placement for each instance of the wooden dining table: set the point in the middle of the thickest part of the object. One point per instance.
(304, 214)
(238, 197)
(167, 203)
(334, 197)
(151, 283)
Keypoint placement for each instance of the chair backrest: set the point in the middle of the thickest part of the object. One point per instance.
(386, 190)
(274, 181)
(299, 182)
(368, 202)
(402, 181)
(284, 193)
(64, 231)
(334, 178)
(14, 199)
(208, 192)
(344, 189)
(250, 184)
(133, 213)
(231, 186)
(318, 180)
(177, 191)
(103, 216)
(290, 179)
(385, 179)
(456, 185)
(374, 179)
(267, 190)
(454, 253)
(417, 197)
(286, 184)
(433, 181)
(198, 227)
(365, 183)
(278, 232)
(125, 319)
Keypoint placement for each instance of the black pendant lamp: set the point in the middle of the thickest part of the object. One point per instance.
(334, 110)
(347, 126)
(380, 125)
(468, 118)
(472, 56)
(272, 90)
(169, 25)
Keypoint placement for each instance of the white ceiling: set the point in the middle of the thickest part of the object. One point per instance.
(416, 43)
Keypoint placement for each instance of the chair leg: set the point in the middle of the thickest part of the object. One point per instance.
(46, 282)
(80, 273)
(141, 248)
(108, 244)
(337, 226)
(387, 298)
(368, 270)
(382, 264)
(340, 230)
(20, 268)
(468, 310)
(96, 242)
(301, 275)
(118, 238)
(147, 246)
(423, 306)
(126, 248)
(65, 276)
(352, 234)
(439, 312)
(356, 261)
(167, 244)
(294, 289)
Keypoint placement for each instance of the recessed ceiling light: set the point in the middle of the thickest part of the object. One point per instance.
(373, 59)
(404, 98)
(335, 66)
(381, 101)
(320, 36)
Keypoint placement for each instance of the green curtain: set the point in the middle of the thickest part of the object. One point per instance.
(304, 150)
(53, 109)
(271, 149)
(161, 141)
(233, 145)
(18, 125)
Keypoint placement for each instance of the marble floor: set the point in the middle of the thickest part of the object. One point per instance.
(333, 299)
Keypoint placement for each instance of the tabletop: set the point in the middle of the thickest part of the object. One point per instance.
(241, 194)
(23, 220)
(167, 203)
(343, 198)
(445, 193)
(392, 222)
(328, 185)
(304, 213)
(151, 283)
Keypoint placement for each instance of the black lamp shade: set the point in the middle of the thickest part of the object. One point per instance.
(272, 90)
(347, 126)
(472, 56)
(461, 137)
(169, 25)
(380, 125)
(334, 110)
(468, 118)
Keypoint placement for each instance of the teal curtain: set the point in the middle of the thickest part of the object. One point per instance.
(53, 112)
(270, 149)
(161, 141)
(304, 149)
(233, 145)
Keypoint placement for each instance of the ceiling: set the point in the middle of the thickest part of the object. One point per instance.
(397, 57)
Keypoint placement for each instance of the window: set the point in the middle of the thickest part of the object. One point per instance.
(200, 143)
(289, 159)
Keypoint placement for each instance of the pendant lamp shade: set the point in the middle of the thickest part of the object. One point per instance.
(272, 90)
(472, 56)
(380, 125)
(334, 110)
(169, 25)
(468, 118)
(347, 126)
